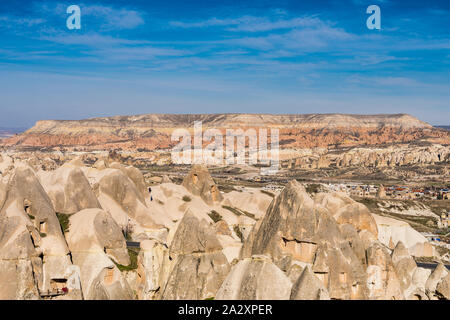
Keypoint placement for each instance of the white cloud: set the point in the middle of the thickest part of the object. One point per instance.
(251, 23)
(91, 39)
(108, 17)
(296, 41)
(113, 18)
(13, 22)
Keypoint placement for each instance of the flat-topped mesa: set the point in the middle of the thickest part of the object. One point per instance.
(151, 131)
(199, 183)
(317, 121)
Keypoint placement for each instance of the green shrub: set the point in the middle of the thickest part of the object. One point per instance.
(64, 221)
(133, 253)
(186, 198)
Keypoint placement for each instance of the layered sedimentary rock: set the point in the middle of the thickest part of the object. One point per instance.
(296, 131)
(375, 157)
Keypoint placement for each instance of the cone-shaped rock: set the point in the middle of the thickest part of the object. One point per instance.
(255, 278)
(199, 183)
(69, 190)
(200, 265)
(309, 287)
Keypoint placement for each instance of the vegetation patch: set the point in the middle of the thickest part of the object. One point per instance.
(31, 217)
(133, 253)
(64, 221)
(370, 203)
(186, 198)
(239, 212)
(238, 232)
(215, 216)
(43, 235)
(268, 193)
(313, 188)
(234, 210)
(226, 188)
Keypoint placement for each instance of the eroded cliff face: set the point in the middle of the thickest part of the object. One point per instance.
(375, 157)
(153, 131)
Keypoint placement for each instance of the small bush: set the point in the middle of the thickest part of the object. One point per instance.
(133, 253)
(234, 210)
(31, 217)
(64, 221)
(238, 232)
(43, 235)
(313, 188)
(239, 212)
(186, 198)
(215, 216)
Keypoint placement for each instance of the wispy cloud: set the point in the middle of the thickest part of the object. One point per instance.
(113, 19)
(251, 23)
(297, 41)
(106, 18)
(93, 39)
(439, 12)
(366, 59)
(10, 21)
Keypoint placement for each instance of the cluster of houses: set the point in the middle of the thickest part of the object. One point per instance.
(401, 192)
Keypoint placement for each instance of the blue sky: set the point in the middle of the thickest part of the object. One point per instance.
(136, 56)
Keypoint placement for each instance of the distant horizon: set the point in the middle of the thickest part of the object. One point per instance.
(23, 128)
